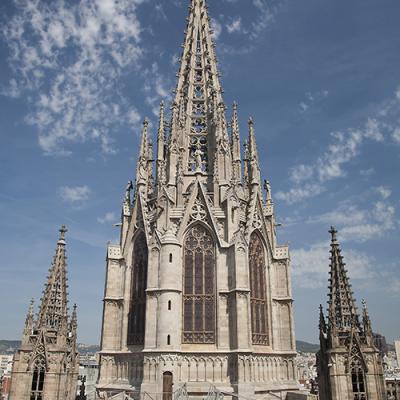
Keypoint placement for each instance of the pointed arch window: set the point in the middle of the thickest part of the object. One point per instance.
(358, 380)
(39, 370)
(137, 311)
(199, 286)
(258, 294)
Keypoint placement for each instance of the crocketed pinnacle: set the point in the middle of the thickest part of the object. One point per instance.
(236, 150)
(142, 172)
(254, 167)
(342, 307)
(53, 309)
(366, 319)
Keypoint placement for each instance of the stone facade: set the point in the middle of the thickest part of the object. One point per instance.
(350, 367)
(198, 292)
(47, 363)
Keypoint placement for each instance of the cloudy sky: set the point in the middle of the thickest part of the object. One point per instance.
(320, 77)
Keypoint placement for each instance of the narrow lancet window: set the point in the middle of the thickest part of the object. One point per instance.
(358, 381)
(137, 317)
(258, 294)
(38, 380)
(199, 286)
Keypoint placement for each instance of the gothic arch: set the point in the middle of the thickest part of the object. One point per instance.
(199, 302)
(258, 289)
(137, 306)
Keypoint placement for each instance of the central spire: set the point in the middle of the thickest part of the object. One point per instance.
(198, 101)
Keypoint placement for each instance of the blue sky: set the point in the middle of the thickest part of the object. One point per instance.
(321, 79)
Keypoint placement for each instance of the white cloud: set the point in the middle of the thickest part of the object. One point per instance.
(367, 172)
(156, 87)
(312, 99)
(107, 218)
(300, 193)
(235, 25)
(216, 28)
(384, 191)
(360, 225)
(343, 148)
(396, 135)
(68, 58)
(266, 17)
(75, 194)
(311, 265)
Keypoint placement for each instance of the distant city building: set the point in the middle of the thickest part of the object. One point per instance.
(46, 365)
(6, 363)
(397, 349)
(5, 383)
(380, 344)
(89, 370)
(350, 367)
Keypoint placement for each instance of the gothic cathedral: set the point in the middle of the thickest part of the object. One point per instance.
(47, 364)
(349, 365)
(198, 292)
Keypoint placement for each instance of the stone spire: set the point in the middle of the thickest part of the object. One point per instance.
(73, 325)
(199, 141)
(53, 309)
(322, 321)
(161, 173)
(254, 167)
(236, 150)
(198, 77)
(29, 321)
(142, 173)
(342, 307)
(366, 320)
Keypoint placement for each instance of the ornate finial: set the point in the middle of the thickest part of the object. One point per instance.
(63, 231)
(145, 123)
(251, 122)
(364, 304)
(333, 233)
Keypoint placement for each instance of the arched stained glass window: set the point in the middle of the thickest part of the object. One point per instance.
(258, 294)
(137, 311)
(199, 287)
(38, 379)
(358, 380)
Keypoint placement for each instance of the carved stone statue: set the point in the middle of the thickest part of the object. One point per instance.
(198, 155)
(129, 187)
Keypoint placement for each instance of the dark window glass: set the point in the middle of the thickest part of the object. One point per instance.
(258, 295)
(137, 312)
